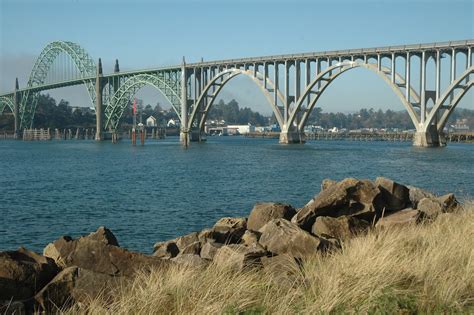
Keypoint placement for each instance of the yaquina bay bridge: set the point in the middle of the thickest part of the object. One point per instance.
(430, 81)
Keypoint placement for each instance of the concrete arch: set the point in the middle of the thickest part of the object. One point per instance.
(343, 67)
(457, 84)
(226, 76)
(83, 62)
(128, 88)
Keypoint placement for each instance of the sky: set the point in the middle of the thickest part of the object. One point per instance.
(144, 34)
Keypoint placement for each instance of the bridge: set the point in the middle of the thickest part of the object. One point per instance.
(292, 85)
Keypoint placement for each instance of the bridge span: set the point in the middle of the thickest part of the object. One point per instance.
(292, 85)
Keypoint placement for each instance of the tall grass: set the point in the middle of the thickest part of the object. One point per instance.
(427, 268)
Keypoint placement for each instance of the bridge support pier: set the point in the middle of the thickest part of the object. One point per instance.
(98, 103)
(195, 135)
(429, 138)
(16, 111)
(291, 137)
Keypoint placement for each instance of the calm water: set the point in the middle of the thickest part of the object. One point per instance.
(159, 191)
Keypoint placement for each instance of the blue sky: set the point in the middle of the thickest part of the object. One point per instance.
(155, 33)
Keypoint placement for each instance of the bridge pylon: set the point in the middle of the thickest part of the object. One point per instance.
(16, 112)
(99, 85)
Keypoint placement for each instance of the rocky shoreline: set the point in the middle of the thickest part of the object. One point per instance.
(274, 234)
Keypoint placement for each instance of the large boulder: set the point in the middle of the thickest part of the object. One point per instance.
(250, 238)
(172, 248)
(209, 250)
(229, 230)
(432, 207)
(403, 217)
(359, 198)
(266, 211)
(99, 257)
(104, 235)
(416, 194)
(23, 273)
(396, 196)
(326, 183)
(239, 257)
(77, 285)
(165, 250)
(342, 227)
(280, 236)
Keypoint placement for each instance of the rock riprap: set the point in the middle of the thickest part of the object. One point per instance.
(275, 236)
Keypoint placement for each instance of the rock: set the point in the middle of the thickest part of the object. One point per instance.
(360, 198)
(239, 257)
(449, 202)
(183, 241)
(229, 230)
(431, 207)
(76, 285)
(23, 273)
(400, 218)
(416, 194)
(280, 236)
(104, 235)
(342, 227)
(96, 256)
(250, 238)
(266, 211)
(395, 195)
(326, 183)
(190, 260)
(193, 249)
(209, 250)
(206, 235)
(165, 250)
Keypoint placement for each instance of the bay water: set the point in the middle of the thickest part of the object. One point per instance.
(161, 190)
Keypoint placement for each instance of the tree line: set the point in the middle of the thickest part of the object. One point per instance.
(52, 114)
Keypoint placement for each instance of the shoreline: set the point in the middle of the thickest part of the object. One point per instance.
(274, 234)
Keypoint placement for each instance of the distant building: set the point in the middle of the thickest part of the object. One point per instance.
(240, 129)
(172, 123)
(151, 122)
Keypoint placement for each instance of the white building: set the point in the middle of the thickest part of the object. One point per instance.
(241, 129)
(151, 121)
(172, 123)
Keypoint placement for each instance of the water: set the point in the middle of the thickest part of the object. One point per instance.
(159, 191)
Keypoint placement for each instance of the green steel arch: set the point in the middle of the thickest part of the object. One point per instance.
(6, 102)
(83, 62)
(118, 102)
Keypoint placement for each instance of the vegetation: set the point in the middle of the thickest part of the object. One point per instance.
(427, 269)
(370, 118)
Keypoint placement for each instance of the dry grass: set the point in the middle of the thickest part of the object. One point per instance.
(427, 268)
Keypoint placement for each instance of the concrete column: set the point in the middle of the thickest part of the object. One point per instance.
(184, 137)
(307, 79)
(16, 111)
(407, 78)
(275, 81)
(265, 74)
(453, 65)
(468, 57)
(438, 75)
(393, 68)
(297, 80)
(379, 62)
(98, 103)
(423, 88)
(287, 92)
